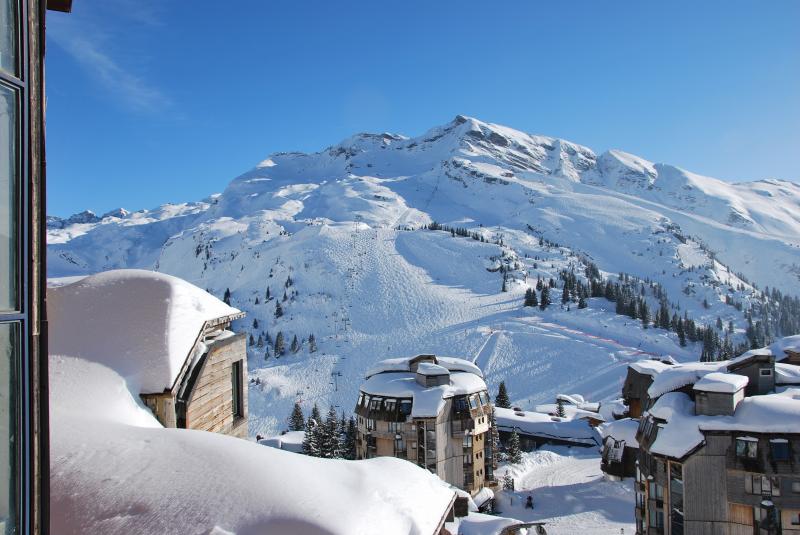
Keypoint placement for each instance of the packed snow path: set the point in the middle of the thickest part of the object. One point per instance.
(569, 492)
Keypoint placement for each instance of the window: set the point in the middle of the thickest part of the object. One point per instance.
(361, 400)
(473, 402)
(467, 442)
(396, 427)
(795, 518)
(766, 372)
(656, 517)
(796, 487)
(779, 449)
(656, 491)
(747, 447)
(375, 404)
(9, 197)
(762, 485)
(405, 407)
(237, 388)
(370, 424)
(390, 405)
(9, 353)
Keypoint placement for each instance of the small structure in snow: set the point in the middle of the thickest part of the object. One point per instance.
(171, 339)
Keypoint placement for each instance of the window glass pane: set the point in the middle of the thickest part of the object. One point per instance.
(8, 358)
(8, 36)
(8, 196)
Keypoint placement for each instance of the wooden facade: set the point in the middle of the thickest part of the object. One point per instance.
(210, 392)
(719, 492)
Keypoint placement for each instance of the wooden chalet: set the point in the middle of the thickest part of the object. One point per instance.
(209, 392)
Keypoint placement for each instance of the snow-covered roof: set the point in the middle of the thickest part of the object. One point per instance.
(787, 374)
(289, 441)
(727, 383)
(403, 364)
(781, 346)
(546, 426)
(427, 401)
(649, 367)
(624, 429)
(120, 472)
(675, 377)
(681, 432)
(427, 368)
(141, 323)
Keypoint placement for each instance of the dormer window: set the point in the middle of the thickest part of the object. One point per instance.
(746, 447)
(765, 372)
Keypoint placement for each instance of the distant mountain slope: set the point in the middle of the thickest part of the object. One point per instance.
(345, 225)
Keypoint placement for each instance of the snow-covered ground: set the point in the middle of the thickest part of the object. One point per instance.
(570, 494)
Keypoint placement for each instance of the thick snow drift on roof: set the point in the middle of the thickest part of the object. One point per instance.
(780, 346)
(140, 323)
(116, 471)
(624, 429)
(289, 441)
(402, 364)
(482, 524)
(675, 377)
(428, 368)
(680, 434)
(787, 374)
(770, 413)
(546, 426)
(427, 402)
(649, 367)
(727, 383)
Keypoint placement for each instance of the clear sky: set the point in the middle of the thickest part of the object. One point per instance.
(154, 101)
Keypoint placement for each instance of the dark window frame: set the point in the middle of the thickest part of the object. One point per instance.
(237, 387)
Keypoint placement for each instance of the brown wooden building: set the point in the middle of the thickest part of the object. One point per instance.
(209, 393)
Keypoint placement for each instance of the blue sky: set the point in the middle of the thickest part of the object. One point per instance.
(154, 101)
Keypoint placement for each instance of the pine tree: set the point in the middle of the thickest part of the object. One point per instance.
(285, 297)
(267, 297)
(312, 443)
(260, 341)
(280, 345)
(502, 400)
(278, 310)
(514, 451)
(257, 301)
(251, 341)
(508, 482)
(312, 343)
(560, 411)
(329, 435)
(681, 334)
(255, 323)
(544, 302)
(227, 297)
(295, 347)
(565, 295)
(350, 440)
(644, 313)
(539, 284)
(530, 298)
(297, 421)
(582, 302)
(505, 284)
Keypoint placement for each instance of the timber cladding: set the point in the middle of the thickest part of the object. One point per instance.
(209, 407)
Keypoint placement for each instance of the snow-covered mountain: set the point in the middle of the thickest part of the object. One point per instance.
(340, 234)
